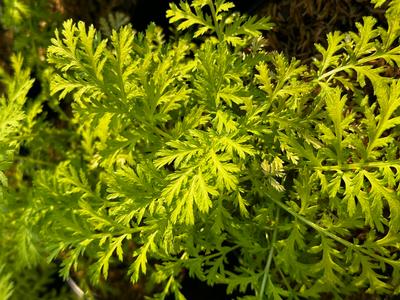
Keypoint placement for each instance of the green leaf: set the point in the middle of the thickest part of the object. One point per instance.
(225, 172)
(389, 102)
(364, 39)
(330, 55)
(115, 245)
(6, 285)
(140, 264)
(187, 18)
(201, 191)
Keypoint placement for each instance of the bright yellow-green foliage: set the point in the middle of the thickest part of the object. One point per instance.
(207, 153)
(12, 116)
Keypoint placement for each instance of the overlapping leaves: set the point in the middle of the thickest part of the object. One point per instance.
(192, 149)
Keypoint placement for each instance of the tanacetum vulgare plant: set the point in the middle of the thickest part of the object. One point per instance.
(205, 155)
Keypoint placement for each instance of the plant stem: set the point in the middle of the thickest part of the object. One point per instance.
(358, 166)
(333, 72)
(269, 260)
(32, 160)
(333, 236)
(216, 23)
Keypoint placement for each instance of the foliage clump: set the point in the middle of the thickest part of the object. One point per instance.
(206, 155)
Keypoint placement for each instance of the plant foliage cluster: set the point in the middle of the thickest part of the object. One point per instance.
(205, 155)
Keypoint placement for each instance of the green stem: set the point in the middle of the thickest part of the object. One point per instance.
(327, 233)
(185, 256)
(358, 166)
(216, 24)
(155, 129)
(269, 260)
(315, 226)
(32, 160)
(333, 72)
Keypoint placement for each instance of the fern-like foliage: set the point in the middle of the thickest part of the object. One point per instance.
(217, 159)
(233, 29)
(12, 115)
(6, 286)
(22, 264)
